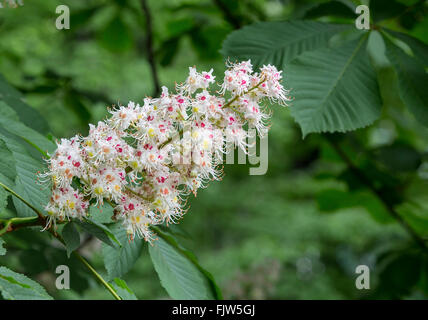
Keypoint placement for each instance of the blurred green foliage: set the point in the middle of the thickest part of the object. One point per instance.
(297, 232)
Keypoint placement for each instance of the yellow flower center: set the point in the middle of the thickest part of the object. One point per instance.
(70, 204)
(99, 190)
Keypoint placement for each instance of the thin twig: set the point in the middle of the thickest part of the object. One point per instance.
(89, 267)
(15, 223)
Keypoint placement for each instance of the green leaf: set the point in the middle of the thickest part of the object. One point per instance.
(3, 199)
(399, 273)
(179, 272)
(7, 165)
(123, 290)
(345, 9)
(117, 36)
(206, 41)
(412, 81)
(335, 89)
(73, 101)
(399, 157)
(385, 9)
(29, 116)
(386, 75)
(118, 261)
(168, 51)
(419, 49)
(101, 214)
(71, 237)
(180, 26)
(26, 184)
(278, 42)
(2, 249)
(100, 231)
(331, 200)
(416, 215)
(15, 286)
(13, 125)
(82, 17)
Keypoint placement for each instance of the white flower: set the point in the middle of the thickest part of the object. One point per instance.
(143, 161)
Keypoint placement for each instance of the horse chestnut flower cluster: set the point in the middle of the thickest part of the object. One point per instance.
(145, 159)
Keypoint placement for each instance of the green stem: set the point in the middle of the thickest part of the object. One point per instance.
(40, 220)
(15, 223)
(97, 275)
(22, 199)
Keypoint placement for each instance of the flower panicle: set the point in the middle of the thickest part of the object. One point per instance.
(146, 159)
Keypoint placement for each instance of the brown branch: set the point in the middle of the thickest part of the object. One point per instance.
(15, 223)
(149, 47)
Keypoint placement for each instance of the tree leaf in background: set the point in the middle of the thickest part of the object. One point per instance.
(82, 17)
(400, 271)
(419, 49)
(71, 237)
(34, 138)
(168, 51)
(334, 97)
(73, 101)
(412, 81)
(26, 184)
(180, 26)
(118, 261)
(179, 272)
(385, 9)
(331, 200)
(416, 215)
(123, 290)
(386, 75)
(29, 116)
(2, 249)
(116, 37)
(206, 40)
(343, 9)
(278, 42)
(100, 231)
(399, 157)
(15, 286)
